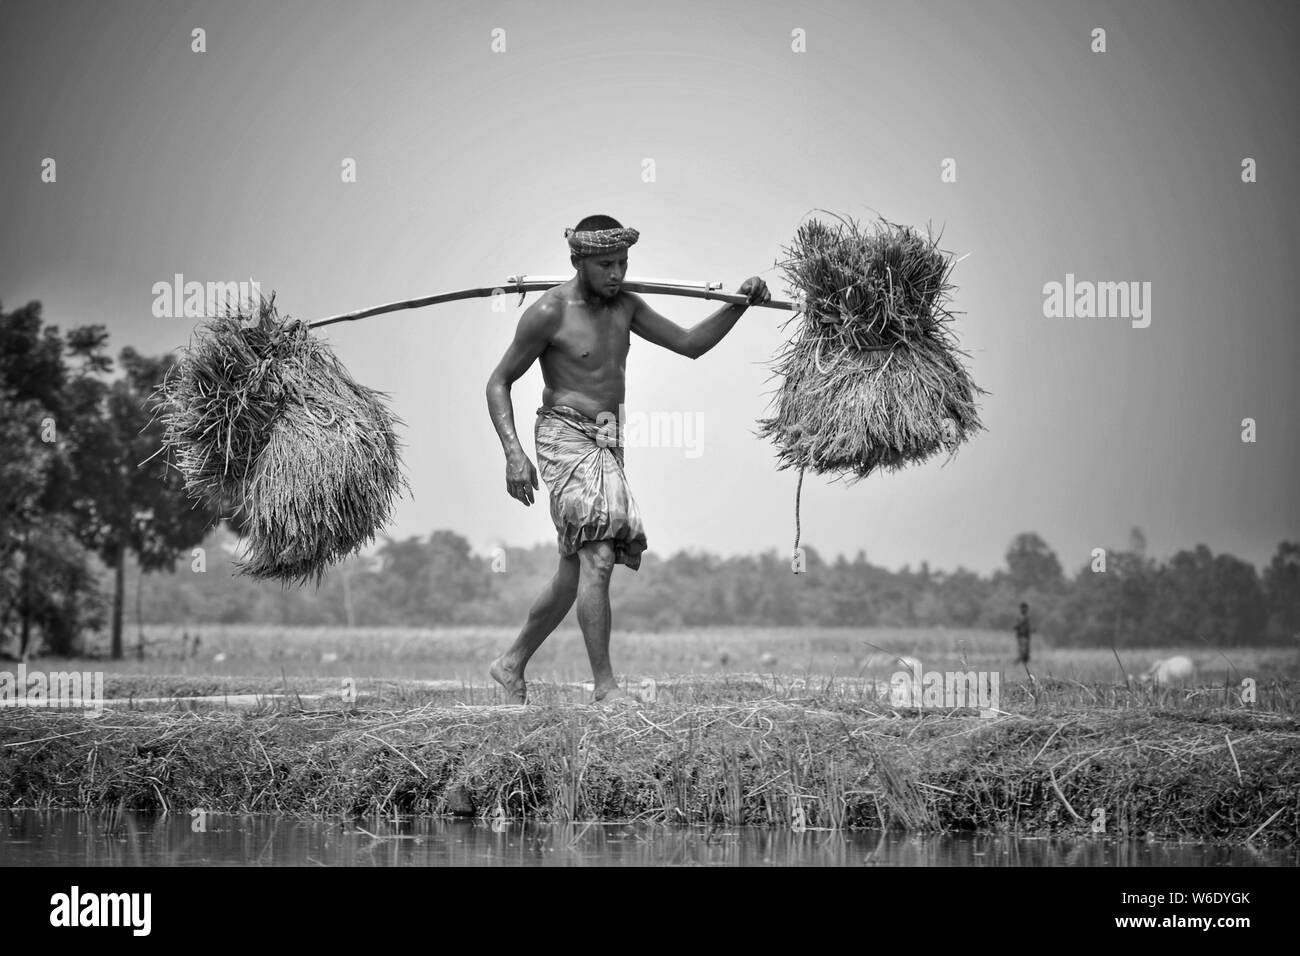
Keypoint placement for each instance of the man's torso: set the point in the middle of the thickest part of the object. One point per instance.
(584, 365)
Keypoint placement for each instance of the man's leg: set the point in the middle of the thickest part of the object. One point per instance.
(544, 617)
(597, 560)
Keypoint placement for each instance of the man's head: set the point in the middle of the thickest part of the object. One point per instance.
(598, 250)
(1024, 608)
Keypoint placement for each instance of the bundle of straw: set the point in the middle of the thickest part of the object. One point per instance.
(260, 416)
(872, 378)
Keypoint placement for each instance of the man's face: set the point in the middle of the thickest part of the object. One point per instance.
(604, 272)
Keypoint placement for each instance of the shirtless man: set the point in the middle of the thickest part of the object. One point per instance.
(580, 331)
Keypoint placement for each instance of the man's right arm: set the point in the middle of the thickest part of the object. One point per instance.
(536, 326)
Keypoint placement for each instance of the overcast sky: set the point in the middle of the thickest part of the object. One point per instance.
(1115, 166)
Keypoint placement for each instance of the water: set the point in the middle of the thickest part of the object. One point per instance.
(30, 838)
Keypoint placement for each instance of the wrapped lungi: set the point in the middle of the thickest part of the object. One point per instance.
(581, 462)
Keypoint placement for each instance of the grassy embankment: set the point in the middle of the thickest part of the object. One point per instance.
(721, 745)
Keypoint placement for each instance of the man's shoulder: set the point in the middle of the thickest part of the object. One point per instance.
(552, 300)
(547, 312)
(632, 302)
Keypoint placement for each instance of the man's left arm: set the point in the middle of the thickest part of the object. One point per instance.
(698, 339)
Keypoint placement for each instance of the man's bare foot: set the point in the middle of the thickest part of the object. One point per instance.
(615, 695)
(511, 680)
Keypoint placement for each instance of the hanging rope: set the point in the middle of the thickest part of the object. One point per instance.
(798, 494)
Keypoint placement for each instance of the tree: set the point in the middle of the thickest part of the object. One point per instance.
(124, 496)
(31, 358)
(22, 483)
(962, 595)
(1282, 590)
(397, 587)
(1114, 604)
(1216, 599)
(1032, 565)
(454, 577)
(47, 586)
(64, 598)
(778, 602)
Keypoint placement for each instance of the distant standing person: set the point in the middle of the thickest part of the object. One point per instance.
(1022, 634)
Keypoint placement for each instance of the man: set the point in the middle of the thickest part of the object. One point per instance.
(580, 331)
(1022, 634)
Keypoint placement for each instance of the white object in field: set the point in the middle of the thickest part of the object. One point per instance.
(768, 659)
(329, 657)
(219, 657)
(1171, 670)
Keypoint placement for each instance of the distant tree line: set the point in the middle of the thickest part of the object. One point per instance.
(439, 581)
(91, 518)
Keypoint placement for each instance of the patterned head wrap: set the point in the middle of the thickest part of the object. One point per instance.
(595, 241)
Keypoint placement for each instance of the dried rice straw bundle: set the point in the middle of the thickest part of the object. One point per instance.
(872, 379)
(261, 416)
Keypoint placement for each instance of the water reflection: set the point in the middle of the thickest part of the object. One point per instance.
(30, 838)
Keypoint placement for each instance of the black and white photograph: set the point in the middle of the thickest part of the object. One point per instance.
(635, 435)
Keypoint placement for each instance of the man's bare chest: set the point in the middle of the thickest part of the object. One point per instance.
(593, 339)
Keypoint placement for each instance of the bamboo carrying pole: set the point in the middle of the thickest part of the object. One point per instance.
(523, 284)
